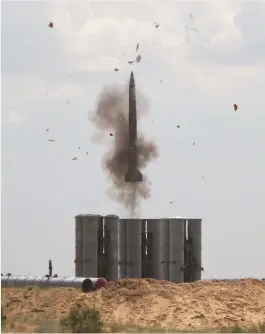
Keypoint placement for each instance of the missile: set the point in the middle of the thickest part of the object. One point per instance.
(133, 174)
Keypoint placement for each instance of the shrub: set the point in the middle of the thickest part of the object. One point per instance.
(83, 320)
(3, 317)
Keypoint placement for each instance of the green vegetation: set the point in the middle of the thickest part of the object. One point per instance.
(131, 328)
(83, 320)
(3, 318)
(260, 328)
(88, 320)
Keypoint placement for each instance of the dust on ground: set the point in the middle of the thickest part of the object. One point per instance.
(145, 302)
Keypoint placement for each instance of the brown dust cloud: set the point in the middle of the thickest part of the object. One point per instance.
(111, 117)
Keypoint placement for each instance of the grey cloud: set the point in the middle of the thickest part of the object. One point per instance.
(28, 44)
(251, 21)
(34, 171)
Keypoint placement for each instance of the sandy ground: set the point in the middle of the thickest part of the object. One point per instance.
(145, 302)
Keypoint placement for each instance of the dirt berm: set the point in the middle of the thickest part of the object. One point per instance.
(146, 302)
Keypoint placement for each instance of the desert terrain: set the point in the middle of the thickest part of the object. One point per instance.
(199, 306)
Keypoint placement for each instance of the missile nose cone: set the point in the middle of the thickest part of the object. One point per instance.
(132, 80)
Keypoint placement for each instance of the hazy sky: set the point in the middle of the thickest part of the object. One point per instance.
(203, 74)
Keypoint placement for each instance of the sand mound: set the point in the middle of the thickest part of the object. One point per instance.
(147, 302)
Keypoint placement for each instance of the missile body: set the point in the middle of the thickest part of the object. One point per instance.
(133, 174)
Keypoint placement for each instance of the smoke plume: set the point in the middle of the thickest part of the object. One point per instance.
(111, 117)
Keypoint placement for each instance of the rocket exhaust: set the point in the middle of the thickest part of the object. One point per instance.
(119, 162)
(133, 174)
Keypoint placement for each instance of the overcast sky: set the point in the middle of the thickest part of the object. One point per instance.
(203, 73)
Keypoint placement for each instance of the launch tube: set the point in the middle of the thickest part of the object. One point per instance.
(86, 284)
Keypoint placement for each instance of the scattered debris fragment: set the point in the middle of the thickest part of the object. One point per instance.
(171, 202)
(68, 102)
(156, 25)
(196, 29)
(47, 130)
(75, 158)
(111, 134)
(137, 47)
(86, 153)
(131, 61)
(191, 28)
(161, 81)
(235, 107)
(46, 94)
(78, 147)
(116, 70)
(178, 126)
(50, 25)
(193, 144)
(52, 140)
(138, 58)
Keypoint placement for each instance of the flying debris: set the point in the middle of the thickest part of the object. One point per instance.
(137, 47)
(52, 140)
(191, 28)
(161, 81)
(111, 134)
(47, 130)
(178, 126)
(116, 70)
(50, 25)
(86, 153)
(68, 102)
(193, 144)
(156, 25)
(196, 29)
(235, 107)
(171, 202)
(78, 147)
(138, 58)
(131, 61)
(75, 158)
(133, 174)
